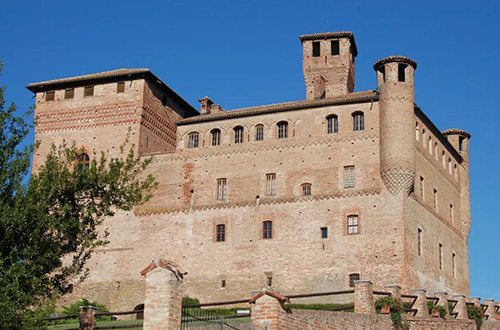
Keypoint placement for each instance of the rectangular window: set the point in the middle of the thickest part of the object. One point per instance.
(440, 256)
(69, 93)
(349, 176)
(422, 187)
(88, 91)
(259, 133)
(419, 241)
(221, 233)
(324, 232)
(306, 189)
(194, 139)
(282, 130)
(401, 72)
(120, 87)
(238, 135)
(335, 47)
(267, 229)
(223, 284)
(352, 225)
(271, 184)
(50, 96)
(316, 49)
(269, 280)
(221, 189)
(352, 278)
(435, 200)
(451, 214)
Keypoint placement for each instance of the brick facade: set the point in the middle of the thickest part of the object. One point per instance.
(400, 226)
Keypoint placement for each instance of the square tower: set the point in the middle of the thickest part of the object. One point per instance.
(328, 64)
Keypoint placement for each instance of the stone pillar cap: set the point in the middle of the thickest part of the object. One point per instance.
(475, 298)
(440, 292)
(362, 281)
(392, 286)
(458, 295)
(170, 265)
(94, 308)
(419, 289)
(489, 300)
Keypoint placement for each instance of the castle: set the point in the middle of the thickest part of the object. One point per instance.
(304, 196)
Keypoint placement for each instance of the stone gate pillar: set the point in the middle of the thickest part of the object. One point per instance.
(88, 320)
(363, 297)
(163, 302)
(267, 310)
(421, 302)
(460, 307)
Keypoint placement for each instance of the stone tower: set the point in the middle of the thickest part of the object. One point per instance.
(328, 64)
(397, 139)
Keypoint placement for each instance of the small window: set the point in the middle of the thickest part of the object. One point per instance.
(215, 137)
(451, 214)
(382, 72)
(435, 200)
(324, 232)
(440, 256)
(223, 284)
(259, 133)
(194, 139)
(221, 189)
(83, 162)
(450, 167)
(453, 264)
(221, 233)
(349, 176)
(430, 145)
(316, 49)
(271, 184)
(436, 150)
(461, 143)
(335, 47)
(282, 130)
(358, 121)
(352, 278)
(269, 280)
(50, 96)
(401, 72)
(443, 159)
(417, 132)
(238, 134)
(267, 229)
(332, 124)
(422, 190)
(352, 225)
(120, 87)
(69, 93)
(88, 91)
(306, 189)
(419, 242)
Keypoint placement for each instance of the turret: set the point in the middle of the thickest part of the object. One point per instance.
(328, 64)
(396, 105)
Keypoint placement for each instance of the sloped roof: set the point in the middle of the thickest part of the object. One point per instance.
(365, 96)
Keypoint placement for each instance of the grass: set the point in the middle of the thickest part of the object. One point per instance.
(99, 324)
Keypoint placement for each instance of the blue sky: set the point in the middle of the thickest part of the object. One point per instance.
(245, 53)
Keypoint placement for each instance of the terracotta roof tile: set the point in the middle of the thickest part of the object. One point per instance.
(106, 74)
(296, 105)
(396, 58)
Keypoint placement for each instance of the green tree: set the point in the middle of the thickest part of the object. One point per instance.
(49, 223)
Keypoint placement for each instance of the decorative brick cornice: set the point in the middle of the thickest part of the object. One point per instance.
(215, 152)
(435, 214)
(397, 58)
(263, 201)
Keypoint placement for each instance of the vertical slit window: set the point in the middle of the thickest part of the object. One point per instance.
(316, 49)
(221, 233)
(440, 256)
(451, 214)
(349, 177)
(435, 200)
(271, 184)
(358, 121)
(238, 134)
(335, 47)
(269, 280)
(282, 130)
(422, 183)
(259, 133)
(352, 224)
(221, 189)
(267, 229)
(194, 139)
(419, 242)
(453, 264)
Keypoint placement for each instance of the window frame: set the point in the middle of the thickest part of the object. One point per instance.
(358, 121)
(282, 130)
(267, 229)
(306, 189)
(69, 93)
(215, 136)
(270, 184)
(50, 96)
(349, 176)
(88, 91)
(193, 140)
(239, 135)
(83, 164)
(354, 225)
(353, 277)
(316, 49)
(259, 132)
(324, 232)
(337, 48)
(221, 189)
(220, 232)
(120, 87)
(332, 124)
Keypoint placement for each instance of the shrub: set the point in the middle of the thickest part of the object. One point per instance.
(74, 309)
(476, 313)
(396, 308)
(188, 301)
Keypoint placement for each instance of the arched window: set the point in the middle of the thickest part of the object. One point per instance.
(215, 137)
(450, 169)
(424, 136)
(220, 233)
(358, 121)
(332, 124)
(306, 189)
(238, 134)
(139, 315)
(282, 130)
(443, 159)
(194, 140)
(83, 162)
(436, 150)
(259, 133)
